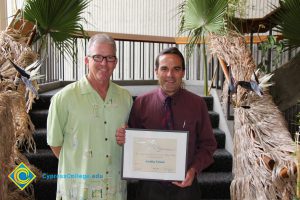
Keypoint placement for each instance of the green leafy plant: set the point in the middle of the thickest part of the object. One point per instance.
(58, 19)
(199, 18)
(288, 23)
(271, 44)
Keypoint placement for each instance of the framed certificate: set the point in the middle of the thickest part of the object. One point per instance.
(155, 155)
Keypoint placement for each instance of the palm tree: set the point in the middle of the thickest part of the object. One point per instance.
(287, 20)
(58, 19)
(255, 175)
(199, 18)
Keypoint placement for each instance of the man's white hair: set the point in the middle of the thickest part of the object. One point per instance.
(101, 38)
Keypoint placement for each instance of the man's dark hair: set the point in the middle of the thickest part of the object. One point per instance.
(170, 50)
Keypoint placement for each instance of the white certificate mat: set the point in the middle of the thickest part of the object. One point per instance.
(155, 155)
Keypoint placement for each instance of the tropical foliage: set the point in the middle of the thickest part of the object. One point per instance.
(270, 44)
(288, 23)
(199, 18)
(58, 19)
(202, 17)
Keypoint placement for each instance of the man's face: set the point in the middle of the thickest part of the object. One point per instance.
(170, 73)
(100, 71)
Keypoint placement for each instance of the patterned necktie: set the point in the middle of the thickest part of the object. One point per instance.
(167, 122)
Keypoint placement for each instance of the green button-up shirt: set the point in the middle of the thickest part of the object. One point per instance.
(84, 125)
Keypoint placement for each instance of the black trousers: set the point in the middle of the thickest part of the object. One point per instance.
(155, 190)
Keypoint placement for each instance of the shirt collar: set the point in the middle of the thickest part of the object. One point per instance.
(86, 87)
(162, 95)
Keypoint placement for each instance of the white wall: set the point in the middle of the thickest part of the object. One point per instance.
(148, 17)
(145, 17)
(12, 6)
(151, 17)
(259, 8)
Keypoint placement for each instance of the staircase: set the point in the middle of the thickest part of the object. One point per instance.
(213, 181)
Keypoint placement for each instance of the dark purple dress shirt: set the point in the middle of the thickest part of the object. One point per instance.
(190, 114)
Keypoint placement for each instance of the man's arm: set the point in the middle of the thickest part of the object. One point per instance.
(56, 151)
(206, 143)
(56, 120)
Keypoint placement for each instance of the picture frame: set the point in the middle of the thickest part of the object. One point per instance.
(155, 155)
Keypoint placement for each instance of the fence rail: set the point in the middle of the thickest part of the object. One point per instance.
(136, 55)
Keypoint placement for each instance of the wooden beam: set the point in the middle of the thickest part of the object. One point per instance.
(256, 39)
(171, 40)
(137, 38)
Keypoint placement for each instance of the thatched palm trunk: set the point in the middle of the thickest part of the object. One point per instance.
(6, 142)
(262, 152)
(16, 128)
(263, 163)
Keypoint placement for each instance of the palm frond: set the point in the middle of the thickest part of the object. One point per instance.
(57, 19)
(201, 17)
(288, 23)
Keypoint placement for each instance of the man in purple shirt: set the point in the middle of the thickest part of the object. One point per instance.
(189, 113)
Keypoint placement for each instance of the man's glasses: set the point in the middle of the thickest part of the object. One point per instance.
(99, 58)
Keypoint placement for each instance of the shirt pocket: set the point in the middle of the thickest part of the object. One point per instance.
(189, 125)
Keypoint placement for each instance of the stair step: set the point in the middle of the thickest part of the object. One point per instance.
(215, 199)
(40, 138)
(223, 162)
(216, 177)
(220, 137)
(132, 184)
(214, 119)
(45, 98)
(45, 189)
(43, 102)
(43, 159)
(215, 185)
(39, 118)
(209, 100)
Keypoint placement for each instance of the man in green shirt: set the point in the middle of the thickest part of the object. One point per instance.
(82, 122)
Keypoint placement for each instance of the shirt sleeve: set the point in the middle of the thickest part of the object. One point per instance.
(206, 142)
(56, 121)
